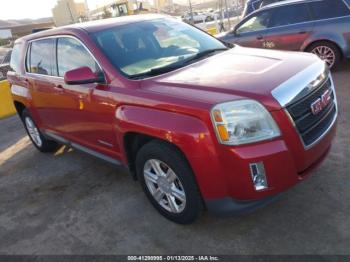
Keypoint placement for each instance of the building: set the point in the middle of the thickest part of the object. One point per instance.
(69, 12)
(161, 5)
(121, 8)
(15, 31)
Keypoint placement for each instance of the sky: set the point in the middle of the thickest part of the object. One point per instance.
(33, 9)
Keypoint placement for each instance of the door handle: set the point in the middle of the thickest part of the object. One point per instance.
(59, 88)
(260, 37)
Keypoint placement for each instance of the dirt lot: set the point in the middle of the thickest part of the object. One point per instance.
(71, 203)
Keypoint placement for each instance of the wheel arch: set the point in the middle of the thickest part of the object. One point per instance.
(308, 45)
(190, 135)
(19, 107)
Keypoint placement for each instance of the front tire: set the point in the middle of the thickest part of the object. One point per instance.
(38, 139)
(168, 182)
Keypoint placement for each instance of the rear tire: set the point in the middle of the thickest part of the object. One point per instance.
(168, 182)
(327, 51)
(38, 139)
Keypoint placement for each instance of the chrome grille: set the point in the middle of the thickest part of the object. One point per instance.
(311, 127)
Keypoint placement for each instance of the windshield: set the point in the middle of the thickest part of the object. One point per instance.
(141, 48)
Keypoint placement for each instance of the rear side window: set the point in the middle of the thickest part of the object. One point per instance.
(15, 62)
(71, 54)
(329, 9)
(290, 14)
(40, 57)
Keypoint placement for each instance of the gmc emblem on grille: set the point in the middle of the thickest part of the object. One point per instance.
(321, 103)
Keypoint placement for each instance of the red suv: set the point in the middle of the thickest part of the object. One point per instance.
(199, 125)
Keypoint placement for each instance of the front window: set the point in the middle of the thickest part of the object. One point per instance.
(257, 22)
(141, 49)
(71, 54)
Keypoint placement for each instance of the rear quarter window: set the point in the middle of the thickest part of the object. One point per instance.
(15, 60)
(329, 9)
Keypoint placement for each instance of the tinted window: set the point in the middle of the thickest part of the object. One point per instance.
(256, 22)
(41, 57)
(348, 2)
(15, 58)
(290, 14)
(329, 9)
(71, 54)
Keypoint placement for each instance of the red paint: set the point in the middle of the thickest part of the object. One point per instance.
(175, 107)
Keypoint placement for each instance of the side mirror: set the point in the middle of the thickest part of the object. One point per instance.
(234, 31)
(80, 76)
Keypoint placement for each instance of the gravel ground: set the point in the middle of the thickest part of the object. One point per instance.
(71, 203)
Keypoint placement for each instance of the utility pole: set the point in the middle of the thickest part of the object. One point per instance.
(228, 15)
(70, 12)
(87, 11)
(191, 12)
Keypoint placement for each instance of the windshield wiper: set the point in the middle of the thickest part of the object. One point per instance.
(204, 54)
(158, 70)
(176, 65)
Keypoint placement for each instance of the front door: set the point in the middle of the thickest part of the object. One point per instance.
(250, 32)
(85, 118)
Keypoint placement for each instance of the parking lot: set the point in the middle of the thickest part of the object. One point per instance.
(72, 203)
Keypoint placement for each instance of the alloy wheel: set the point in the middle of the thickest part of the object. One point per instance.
(33, 131)
(326, 53)
(165, 186)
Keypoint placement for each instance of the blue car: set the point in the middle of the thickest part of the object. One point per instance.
(252, 5)
(321, 27)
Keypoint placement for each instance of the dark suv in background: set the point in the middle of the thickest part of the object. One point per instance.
(252, 5)
(321, 27)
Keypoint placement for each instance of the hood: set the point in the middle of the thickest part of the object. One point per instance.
(234, 74)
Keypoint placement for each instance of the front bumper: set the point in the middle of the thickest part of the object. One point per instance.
(228, 206)
(231, 207)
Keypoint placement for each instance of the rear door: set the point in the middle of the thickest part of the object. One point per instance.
(40, 72)
(289, 27)
(332, 22)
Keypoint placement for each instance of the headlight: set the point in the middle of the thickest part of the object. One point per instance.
(242, 122)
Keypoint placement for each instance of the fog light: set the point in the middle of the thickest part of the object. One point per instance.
(257, 172)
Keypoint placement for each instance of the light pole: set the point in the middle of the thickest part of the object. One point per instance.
(191, 13)
(87, 11)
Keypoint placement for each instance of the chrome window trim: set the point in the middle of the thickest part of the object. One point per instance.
(346, 3)
(56, 37)
(307, 147)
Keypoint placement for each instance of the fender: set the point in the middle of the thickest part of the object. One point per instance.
(188, 133)
(322, 36)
